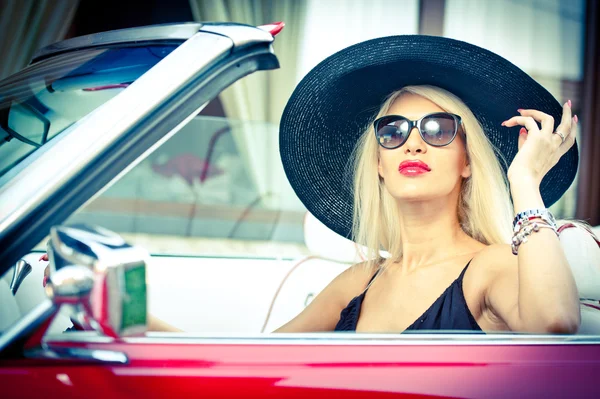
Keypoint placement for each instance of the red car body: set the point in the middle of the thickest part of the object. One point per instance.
(318, 370)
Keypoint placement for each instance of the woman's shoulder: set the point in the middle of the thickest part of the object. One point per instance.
(355, 279)
(492, 260)
(494, 254)
(491, 264)
(323, 313)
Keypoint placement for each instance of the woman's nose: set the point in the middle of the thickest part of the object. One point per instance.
(415, 144)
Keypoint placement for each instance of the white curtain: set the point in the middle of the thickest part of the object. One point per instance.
(28, 25)
(542, 37)
(336, 24)
(261, 96)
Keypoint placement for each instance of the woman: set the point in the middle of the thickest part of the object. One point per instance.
(429, 187)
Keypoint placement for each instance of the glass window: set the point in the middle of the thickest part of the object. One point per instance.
(49, 96)
(204, 189)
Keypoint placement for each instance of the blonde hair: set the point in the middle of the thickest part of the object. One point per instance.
(485, 210)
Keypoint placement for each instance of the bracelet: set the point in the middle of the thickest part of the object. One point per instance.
(525, 231)
(530, 214)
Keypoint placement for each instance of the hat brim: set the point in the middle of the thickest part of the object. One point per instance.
(336, 101)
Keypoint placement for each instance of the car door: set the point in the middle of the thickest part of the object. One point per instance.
(315, 365)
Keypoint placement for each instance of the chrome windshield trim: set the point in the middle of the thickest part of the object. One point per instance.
(91, 135)
(242, 35)
(77, 354)
(182, 32)
(340, 339)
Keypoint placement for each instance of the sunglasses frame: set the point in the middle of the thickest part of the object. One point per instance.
(417, 123)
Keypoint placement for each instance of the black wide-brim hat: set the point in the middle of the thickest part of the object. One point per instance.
(338, 99)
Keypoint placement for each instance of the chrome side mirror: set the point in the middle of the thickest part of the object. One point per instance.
(101, 277)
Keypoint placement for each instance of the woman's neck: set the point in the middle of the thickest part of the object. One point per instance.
(431, 233)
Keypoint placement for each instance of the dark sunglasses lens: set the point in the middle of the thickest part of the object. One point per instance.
(438, 129)
(392, 132)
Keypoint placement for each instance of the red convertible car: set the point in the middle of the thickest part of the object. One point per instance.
(145, 206)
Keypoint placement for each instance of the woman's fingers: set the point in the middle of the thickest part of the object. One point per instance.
(567, 116)
(566, 126)
(546, 120)
(570, 140)
(522, 137)
(526, 121)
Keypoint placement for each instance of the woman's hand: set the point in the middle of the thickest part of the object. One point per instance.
(541, 294)
(540, 149)
(44, 258)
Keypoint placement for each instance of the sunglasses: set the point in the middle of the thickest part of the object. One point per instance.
(437, 129)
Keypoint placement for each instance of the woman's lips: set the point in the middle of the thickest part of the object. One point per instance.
(413, 168)
(412, 171)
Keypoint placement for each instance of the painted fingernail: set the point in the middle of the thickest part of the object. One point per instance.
(503, 123)
(523, 131)
(519, 110)
(569, 103)
(576, 119)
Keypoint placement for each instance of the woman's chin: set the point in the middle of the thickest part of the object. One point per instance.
(412, 196)
(416, 194)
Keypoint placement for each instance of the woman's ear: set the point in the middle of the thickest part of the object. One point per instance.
(466, 173)
(379, 168)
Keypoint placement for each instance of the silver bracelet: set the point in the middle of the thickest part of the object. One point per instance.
(525, 231)
(530, 214)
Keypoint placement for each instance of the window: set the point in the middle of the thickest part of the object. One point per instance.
(206, 193)
(49, 96)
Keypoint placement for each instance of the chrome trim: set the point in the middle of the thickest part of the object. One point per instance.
(70, 284)
(33, 319)
(78, 354)
(105, 126)
(340, 339)
(22, 269)
(145, 33)
(242, 35)
(88, 268)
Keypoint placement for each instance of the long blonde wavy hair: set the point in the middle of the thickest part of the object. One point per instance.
(485, 210)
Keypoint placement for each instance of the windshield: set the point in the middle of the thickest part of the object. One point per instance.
(46, 98)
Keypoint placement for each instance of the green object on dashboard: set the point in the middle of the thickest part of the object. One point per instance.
(134, 301)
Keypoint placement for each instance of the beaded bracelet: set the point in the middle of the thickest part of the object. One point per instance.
(530, 214)
(525, 231)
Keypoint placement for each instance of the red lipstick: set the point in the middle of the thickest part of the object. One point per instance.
(413, 168)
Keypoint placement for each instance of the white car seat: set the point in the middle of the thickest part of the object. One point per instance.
(331, 254)
(583, 254)
(9, 310)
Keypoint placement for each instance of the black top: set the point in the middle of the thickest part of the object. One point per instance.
(448, 312)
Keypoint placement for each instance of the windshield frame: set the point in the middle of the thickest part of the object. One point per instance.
(120, 133)
(144, 34)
